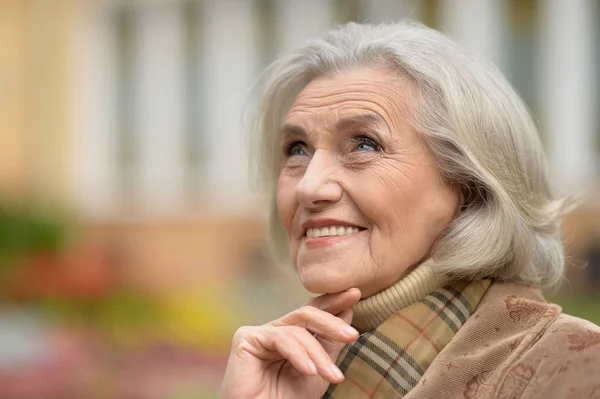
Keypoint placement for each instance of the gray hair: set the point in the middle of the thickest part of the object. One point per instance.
(478, 128)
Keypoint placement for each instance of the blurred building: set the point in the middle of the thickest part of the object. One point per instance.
(131, 111)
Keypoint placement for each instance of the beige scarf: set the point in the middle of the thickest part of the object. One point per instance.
(407, 326)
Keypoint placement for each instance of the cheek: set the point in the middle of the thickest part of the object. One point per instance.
(286, 201)
(384, 201)
(432, 211)
(444, 208)
(399, 206)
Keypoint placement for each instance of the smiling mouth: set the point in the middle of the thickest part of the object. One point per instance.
(331, 231)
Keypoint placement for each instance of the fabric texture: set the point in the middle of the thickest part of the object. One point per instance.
(389, 360)
(515, 345)
(374, 310)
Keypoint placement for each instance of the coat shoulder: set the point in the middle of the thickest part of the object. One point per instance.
(562, 362)
(580, 334)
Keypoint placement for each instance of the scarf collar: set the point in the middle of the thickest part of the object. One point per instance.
(389, 360)
(372, 311)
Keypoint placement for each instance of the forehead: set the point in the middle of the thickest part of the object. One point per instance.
(362, 91)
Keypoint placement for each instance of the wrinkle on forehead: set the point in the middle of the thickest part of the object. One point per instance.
(369, 90)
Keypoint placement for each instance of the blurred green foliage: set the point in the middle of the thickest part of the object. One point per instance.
(27, 228)
(116, 316)
(583, 305)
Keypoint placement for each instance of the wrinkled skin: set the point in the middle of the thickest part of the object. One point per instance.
(376, 173)
(349, 155)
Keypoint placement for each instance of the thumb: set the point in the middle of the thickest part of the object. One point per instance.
(333, 348)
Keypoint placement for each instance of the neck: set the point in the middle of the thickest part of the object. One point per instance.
(372, 311)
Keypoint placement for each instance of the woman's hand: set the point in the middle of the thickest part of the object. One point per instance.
(294, 356)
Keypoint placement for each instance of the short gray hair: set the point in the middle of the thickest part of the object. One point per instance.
(478, 128)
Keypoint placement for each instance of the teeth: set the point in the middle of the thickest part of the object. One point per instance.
(331, 231)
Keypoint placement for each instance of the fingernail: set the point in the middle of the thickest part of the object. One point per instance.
(312, 367)
(336, 372)
(350, 331)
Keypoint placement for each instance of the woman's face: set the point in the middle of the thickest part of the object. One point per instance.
(359, 193)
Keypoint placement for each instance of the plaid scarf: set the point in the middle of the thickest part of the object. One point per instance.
(388, 361)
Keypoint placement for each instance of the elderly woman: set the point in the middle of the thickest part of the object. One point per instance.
(409, 189)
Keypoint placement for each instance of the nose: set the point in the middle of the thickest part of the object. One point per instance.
(318, 188)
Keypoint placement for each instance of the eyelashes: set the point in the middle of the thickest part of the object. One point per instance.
(295, 148)
(365, 143)
(358, 143)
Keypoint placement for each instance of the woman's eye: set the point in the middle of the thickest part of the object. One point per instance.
(365, 147)
(366, 144)
(296, 149)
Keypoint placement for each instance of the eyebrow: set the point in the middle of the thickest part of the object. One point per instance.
(292, 130)
(343, 124)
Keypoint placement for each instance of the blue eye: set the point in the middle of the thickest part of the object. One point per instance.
(296, 149)
(365, 147)
(364, 143)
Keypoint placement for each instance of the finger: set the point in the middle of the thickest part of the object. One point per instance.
(319, 322)
(282, 342)
(325, 365)
(346, 316)
(300, 348)
(335, 303)
(333, 348)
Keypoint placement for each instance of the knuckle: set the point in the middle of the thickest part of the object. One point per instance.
(243, 333)
(306, 312)
(298, 331)
(246, 339)
(293, 349)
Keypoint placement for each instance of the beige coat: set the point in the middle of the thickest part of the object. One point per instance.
(516, 345)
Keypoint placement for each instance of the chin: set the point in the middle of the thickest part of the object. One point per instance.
(318, 282)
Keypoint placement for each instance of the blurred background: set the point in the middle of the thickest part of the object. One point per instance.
(131, 246)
